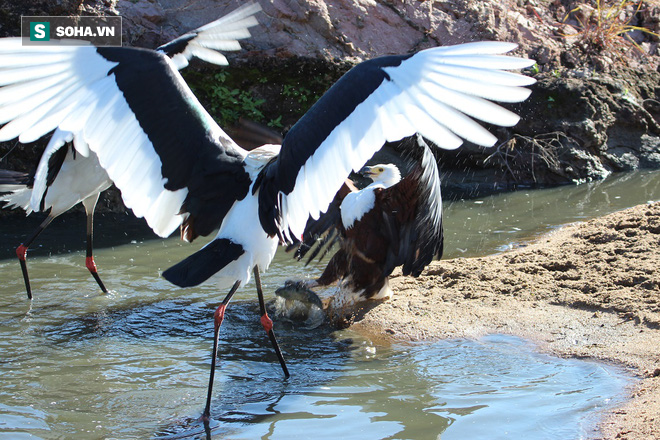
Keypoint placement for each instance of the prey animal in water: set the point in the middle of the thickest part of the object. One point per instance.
(296, 302)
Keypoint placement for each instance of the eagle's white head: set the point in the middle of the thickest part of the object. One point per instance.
(384, 174)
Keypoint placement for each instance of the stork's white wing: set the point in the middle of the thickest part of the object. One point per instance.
(221, 34)
(437, 92)
(130, 106)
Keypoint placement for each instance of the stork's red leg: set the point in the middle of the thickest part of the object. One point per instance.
(268, 323)
(21, 253)
(89, 260)
(218, 317)
(90, 203)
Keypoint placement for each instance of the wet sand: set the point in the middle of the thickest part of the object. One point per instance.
(590, 290)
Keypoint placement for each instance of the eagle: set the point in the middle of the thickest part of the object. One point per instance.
(393, 222)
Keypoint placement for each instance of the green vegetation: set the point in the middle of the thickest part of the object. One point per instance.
(225, 102)
(301, 94)
(535, 69)
(276, 96)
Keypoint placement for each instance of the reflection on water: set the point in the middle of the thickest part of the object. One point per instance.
(497, 387)
(496, 223)
(76, 363)
(141, 371)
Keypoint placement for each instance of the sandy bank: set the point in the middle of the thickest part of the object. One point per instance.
(587, 290)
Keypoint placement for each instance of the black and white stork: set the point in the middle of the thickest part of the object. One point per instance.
(174, 164)
(64, 178)
(395, 221)
(68, 174)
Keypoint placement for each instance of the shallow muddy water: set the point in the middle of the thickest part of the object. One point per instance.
(75, 363)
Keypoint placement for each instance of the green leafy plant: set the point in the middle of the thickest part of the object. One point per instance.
(229, 104)
(535, 69)
(276, 123)
(275, 96)
(302, 95)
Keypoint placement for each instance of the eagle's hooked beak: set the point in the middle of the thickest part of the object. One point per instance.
(367, 172)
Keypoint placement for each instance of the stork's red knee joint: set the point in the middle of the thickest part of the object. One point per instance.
(267, 322)
(21, 252)
(219, 315)
(91, 265)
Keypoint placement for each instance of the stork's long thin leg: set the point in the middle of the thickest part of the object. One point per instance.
(218, 317)
(21, 252)
(268, 323)
(89, 204)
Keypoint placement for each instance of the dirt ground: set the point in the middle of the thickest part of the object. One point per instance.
(587, 290)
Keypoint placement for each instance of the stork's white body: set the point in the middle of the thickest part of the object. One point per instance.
(259, 248)
(81, 179)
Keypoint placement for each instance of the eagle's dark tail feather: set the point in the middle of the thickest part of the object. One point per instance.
(428, 222)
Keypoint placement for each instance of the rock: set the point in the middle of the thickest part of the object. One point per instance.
(342, 29)
(142, 23)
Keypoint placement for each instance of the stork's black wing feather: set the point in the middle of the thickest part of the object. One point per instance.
(178, 45)
(204, 263)
(9, 177)
(177, 129)
(194, 156)
(55, 164)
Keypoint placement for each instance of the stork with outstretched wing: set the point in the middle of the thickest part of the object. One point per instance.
(69, 172)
